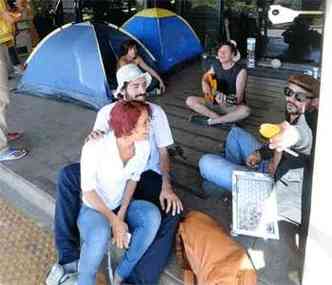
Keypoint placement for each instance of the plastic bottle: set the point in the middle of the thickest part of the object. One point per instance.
(251, 46)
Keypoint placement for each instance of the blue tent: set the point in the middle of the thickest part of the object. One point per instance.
(168, 36)
(77, 62)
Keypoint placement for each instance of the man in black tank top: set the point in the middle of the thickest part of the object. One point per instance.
(223, 87)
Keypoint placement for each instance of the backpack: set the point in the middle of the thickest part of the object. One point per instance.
(209, 256)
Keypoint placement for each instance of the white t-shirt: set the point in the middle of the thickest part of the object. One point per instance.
(160, 132)
(102, 169)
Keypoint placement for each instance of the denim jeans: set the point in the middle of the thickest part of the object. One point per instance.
(218, 169)
(67, 208)
(143, 219)
(153, 262)
(68, 204)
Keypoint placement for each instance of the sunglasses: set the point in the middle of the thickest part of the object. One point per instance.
(299, 96)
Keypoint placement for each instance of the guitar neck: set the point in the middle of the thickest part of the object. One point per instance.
(311, 13)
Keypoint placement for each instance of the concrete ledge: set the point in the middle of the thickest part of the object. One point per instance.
(25, 196)
(40, 206)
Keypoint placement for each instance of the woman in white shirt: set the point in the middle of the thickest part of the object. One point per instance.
(110, 169)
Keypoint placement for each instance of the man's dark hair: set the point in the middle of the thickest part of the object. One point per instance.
(127, 45)
(231, 45)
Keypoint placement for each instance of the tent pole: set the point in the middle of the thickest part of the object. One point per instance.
(78, 11)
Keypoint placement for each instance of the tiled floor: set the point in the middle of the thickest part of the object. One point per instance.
(26, 250)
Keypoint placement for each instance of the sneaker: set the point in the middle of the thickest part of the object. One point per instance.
(12, 154)
(198, 192)
(14, 136)
(57, 276)
(213, 190)
(18, 70)
(199, 120)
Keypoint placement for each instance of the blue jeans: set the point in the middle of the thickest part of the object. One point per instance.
(218, 169)
(143, 219)
(68, 204)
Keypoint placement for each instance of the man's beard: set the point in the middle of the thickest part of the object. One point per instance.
(143, 95)
(292, 109)
(139, 97)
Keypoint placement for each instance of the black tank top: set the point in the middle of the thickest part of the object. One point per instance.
(226, 78)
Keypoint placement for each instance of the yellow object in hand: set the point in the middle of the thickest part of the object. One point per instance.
(269, 130)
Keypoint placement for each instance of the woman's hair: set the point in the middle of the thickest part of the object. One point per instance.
(306, 82)
(126, 46)
(124, 116)
(231, 45)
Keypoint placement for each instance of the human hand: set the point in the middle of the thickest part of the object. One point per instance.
(253, 159)
(287, 137)
(169, 201)
(10, 17)
(220, 98)
(94, 135)
(272, 167)
(206, 88)
(120, 233)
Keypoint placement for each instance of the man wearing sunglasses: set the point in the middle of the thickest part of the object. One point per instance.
(244, 152)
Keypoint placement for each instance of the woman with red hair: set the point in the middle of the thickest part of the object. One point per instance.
(110, 169)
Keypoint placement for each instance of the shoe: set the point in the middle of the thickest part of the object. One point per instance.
(199, 120)
(223, 125)
(57, 276)
(12, 154)
(14, 136)
(18, 70)
(213, 190)
(198, 192)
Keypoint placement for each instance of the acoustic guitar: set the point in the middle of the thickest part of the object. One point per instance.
(212, 81)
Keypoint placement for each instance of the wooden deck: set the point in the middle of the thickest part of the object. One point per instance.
(267, 103)
(264, 97)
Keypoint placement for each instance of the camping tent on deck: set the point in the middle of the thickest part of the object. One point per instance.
(168, 36)
(77, 62)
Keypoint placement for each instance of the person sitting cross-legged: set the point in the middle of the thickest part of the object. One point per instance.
(228, 105)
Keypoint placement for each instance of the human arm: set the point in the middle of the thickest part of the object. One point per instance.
(150, 70)
(206, 88)
(169, 201)
(101, 126)
(10, 17)
(241, 84)
(119, 227)
(120, 237)
(274, 162)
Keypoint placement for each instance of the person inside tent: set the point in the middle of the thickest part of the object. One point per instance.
(227, 103)
(129, 54)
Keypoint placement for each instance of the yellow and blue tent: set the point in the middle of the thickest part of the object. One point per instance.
(168, 36)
